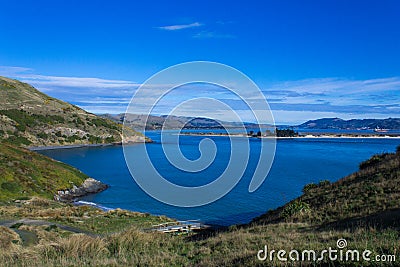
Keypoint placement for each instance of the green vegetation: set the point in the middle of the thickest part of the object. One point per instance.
(105, 123)
(286, 133)
(18, 140)
(24, 173)
(311, 186)
(295, 207)
(362, 208)
(373, 161)
(278, 133)
(25, 119)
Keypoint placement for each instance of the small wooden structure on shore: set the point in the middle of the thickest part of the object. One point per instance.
(179, 227)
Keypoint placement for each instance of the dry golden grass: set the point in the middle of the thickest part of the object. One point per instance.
(8, 238)
(238, 247)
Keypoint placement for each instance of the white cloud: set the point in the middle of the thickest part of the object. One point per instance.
(25, 75)
(180, 26)
(212, 35)
(337, 91)
(9, 70)
(42, 80)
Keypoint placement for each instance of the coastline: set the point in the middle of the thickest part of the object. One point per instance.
(88, 187)
(322, 136)
(38, 148)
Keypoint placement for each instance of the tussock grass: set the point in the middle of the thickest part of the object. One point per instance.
(8, 238)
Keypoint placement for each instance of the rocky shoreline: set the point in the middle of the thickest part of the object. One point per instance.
(89, 186)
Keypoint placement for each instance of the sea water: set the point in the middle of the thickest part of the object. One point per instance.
(297, 162)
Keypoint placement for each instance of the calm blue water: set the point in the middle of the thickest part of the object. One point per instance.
(297, 162)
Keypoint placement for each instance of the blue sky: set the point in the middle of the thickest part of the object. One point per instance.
(311, 59)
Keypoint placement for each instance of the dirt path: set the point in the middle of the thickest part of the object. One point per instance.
(9, 223)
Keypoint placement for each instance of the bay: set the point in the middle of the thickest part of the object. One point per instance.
(297, 162)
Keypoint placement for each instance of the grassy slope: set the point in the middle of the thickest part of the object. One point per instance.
(361, 208)
(24, 173)
(29, 117)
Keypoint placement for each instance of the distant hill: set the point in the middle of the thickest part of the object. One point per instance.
(354, 124)
(137, 121)
(25, 173)
(31, 118)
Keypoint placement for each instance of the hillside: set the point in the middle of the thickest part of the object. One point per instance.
(24, 173)
(354, 124)
(31, 118)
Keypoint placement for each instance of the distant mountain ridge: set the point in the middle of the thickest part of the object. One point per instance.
(137, 121)
(31, 118)
(353, 124)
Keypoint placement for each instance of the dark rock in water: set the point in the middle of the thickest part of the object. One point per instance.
(89, 186)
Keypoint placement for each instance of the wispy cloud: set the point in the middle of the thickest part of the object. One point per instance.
(337, 91)
(43, 80)
(180, 26)
(27, 75)
(213, 34)
(10, 70)
(204, 34)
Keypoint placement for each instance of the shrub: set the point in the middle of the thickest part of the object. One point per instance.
(10, 186)
(21, 127)
(324, 183)
(42, 135)
(19, 116)
(72, 138)
(102, 122)
(18, 140)
(308, 187)
(286, 133)
(78, 122)
(295, 207)
(110, 139)
(94, 139)
(374, 160)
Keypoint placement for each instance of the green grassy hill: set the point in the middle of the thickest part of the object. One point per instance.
(24, 173)
(31, 118)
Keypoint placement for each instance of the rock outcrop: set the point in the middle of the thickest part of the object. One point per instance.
(89, 186)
